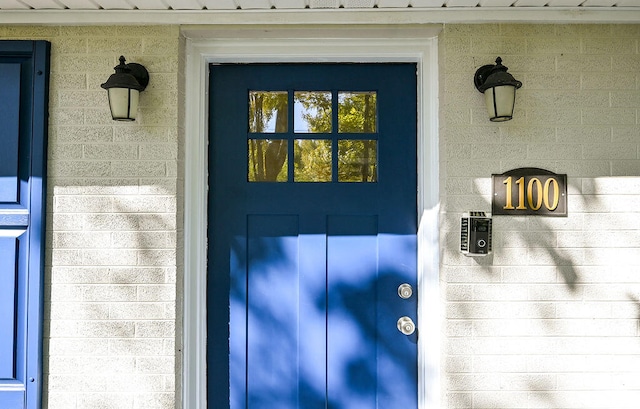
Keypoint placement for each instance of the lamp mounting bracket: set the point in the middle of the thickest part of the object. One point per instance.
(481, 76)
(140, 73)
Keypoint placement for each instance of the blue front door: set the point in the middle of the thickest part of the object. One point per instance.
(312, 229)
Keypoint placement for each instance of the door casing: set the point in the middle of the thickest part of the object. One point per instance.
(206, 46)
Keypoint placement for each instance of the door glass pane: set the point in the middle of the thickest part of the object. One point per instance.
(268, 111)
(312, 160)
(357, 161)
(267, 160)
(357, 112)
(312, 112)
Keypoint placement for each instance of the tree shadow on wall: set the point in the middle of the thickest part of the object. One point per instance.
(104, 259)
(530, 249)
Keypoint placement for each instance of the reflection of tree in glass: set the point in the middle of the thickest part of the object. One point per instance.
(267, 160)
(357, 159)
(356, 112)
(312, 161)
(317, 110)
(312, 157)
(267, 156)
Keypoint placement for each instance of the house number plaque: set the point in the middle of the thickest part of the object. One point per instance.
(529, 192)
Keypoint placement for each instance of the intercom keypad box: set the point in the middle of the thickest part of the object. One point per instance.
(475, 234)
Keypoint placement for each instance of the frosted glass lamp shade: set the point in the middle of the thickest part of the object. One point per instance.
(123, 103)
(500, 102)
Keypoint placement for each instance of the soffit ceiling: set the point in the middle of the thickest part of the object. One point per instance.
(288, 12)
(305, 4)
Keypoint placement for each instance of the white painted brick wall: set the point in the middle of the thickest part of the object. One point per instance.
(112, 232)
(550, 320)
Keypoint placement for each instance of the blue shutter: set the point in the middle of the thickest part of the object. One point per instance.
(24, 85)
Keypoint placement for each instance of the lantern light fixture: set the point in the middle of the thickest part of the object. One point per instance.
(124, 88)
(499, 89)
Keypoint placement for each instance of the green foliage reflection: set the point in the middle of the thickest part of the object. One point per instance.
(315, 112)
(267, 160)
(268, 111)
(357, 112)
(357, 160)
(312, 160)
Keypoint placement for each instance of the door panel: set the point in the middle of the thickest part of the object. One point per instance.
(8, 310)
(312, 228)
(352, 327)
(272, 311)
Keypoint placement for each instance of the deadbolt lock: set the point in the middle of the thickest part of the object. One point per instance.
(405, 291)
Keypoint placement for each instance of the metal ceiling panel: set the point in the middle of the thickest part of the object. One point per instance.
(79, 4)
(114, 4)
(289, 4)
(324, 4)
(254, 4)
(599, 3)
(393, 3)
(148, 4)
(565, 3)
(365, 4)
(628, 3)
(43, 4)
(531, 3)
(12, 4)
(220, 4)
(461, 3)
(427, 3)
(496, 3)
(185, 4)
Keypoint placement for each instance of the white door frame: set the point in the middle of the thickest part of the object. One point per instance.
(383, 43)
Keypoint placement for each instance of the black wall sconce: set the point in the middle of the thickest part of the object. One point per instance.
(124, 89)
(499, 89)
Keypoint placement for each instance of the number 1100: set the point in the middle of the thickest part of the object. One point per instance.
(547, 194)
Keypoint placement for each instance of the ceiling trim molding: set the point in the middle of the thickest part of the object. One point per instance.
(556, 15)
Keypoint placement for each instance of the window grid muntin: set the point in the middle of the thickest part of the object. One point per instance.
(335, 136)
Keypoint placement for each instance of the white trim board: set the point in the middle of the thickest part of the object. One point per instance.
(323, 44)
